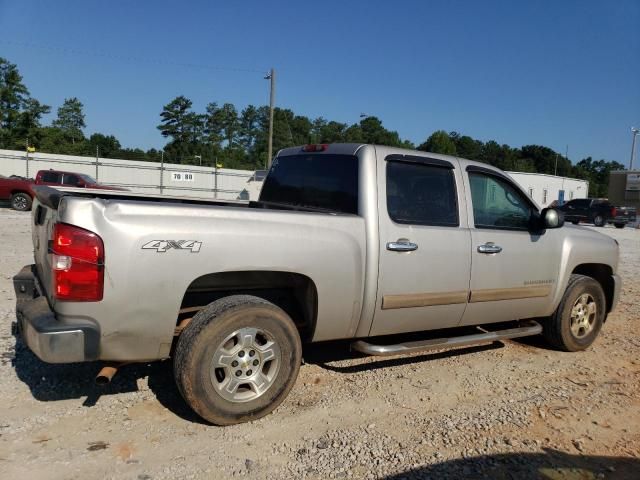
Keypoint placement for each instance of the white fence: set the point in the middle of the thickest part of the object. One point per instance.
(137, 176)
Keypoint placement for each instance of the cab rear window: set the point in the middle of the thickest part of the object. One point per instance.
(315, 181)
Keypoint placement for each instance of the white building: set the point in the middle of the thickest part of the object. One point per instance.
(545, 189)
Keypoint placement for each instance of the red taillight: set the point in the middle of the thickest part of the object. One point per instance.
(320, 147)
(614, 212)
(78, 264)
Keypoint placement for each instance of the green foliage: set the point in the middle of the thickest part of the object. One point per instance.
(439, 142)
(104, 145)
(20, 114)
(239, 140)
(597, 172)
(71, 119)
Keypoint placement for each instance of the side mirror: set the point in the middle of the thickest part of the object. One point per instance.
(551, 218)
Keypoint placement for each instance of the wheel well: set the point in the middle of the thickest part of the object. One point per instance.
(13, 192)
(602, 274)
(296, 294)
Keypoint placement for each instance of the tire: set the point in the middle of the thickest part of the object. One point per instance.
(558, 329)
(620, 225)
(598, 221)
(215, 333)
(575, 222)
(21, 202)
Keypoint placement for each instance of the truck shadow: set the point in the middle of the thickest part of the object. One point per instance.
(54, 382)
(547, 465)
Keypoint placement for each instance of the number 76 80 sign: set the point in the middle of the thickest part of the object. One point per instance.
(182, 177)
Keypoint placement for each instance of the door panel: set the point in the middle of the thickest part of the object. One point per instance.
(423, 279)
(516, 281)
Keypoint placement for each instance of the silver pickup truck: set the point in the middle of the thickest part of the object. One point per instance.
(346, 242)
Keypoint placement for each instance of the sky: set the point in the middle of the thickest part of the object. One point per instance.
(538, 72)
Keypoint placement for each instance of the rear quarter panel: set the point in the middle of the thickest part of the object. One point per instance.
(144, 288)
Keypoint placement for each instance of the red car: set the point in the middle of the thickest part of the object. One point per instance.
(19, 190)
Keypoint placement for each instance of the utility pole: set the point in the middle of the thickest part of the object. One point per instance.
(634, 132)
(161, 171)
(26, 150)
(215, 178)
(272, 77)
(97, 156)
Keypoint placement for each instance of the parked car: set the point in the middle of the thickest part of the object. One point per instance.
(346, 241)
(598, 211)
(19, 190)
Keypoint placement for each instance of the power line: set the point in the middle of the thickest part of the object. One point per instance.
(147, 60)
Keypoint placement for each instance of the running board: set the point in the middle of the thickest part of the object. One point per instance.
(527, 328)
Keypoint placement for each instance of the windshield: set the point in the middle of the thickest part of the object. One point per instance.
(316, 181)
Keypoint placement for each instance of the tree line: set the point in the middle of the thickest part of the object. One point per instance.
(233, 138)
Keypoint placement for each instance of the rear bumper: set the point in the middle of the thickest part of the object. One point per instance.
(623, 219)
(51, 339)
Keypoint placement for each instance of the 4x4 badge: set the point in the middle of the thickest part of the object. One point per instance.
(162, 246)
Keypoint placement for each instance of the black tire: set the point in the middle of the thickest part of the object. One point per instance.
(21, 201)
(575, 222)
(557, 328)
(205, 336)
(620, 225)
(598, 221)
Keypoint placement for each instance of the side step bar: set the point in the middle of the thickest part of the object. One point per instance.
(527, 328)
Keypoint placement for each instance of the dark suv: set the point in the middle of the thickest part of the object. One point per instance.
(597, 211)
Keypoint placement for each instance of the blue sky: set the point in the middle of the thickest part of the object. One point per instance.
(545, 72)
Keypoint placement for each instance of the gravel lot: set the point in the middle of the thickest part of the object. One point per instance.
(507, 410)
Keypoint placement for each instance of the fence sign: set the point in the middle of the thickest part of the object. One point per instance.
(182, 177)
(633, 182)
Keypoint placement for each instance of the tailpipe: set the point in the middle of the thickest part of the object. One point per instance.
(107, 373)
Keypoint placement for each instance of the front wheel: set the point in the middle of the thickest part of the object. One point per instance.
(237, 360)
(578, 319)
(619, 225)
(598, 221)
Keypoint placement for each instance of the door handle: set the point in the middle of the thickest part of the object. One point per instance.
(489, 247)
(402, 246)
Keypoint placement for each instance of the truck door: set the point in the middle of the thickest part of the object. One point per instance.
(424, 269)
(513, 271)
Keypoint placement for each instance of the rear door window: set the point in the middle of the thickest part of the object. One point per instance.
(326, 182)
(51, 177)
(420, 194)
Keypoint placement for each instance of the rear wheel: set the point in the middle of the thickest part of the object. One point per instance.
(21, 202)
(237, 360)
(578, 319)
(619, 225)
(598, 221)
(575, 222)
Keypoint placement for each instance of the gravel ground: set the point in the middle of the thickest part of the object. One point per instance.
(508, 410)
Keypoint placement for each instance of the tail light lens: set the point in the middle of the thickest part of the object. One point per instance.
(78, 264)
(614, 212)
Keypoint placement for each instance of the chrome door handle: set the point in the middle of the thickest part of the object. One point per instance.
(489, 247)
(402, 246)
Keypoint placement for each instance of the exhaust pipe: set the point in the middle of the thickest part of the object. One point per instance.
(107, 373)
